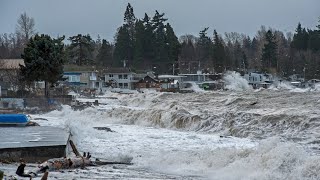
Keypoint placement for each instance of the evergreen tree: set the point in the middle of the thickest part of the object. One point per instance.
(219, 54)
(124, 45)
(104, 57)
(130, 19)
(161, 47)
(188, 51)
(98, 43)
(244, 63)
(229, 49)
(148, 41)
(255, 60)
(247, 50)
(269, 52)
(314, 40)
(123, 49)
(43, 58)
(81, 50)
(300, 38)
(204, 48)
(174, 47)
(139, 44)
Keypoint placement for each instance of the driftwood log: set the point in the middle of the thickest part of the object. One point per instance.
(57, 164)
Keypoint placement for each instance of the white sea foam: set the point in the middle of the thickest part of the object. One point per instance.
(217, 135)
(235, 82)
(196, 88)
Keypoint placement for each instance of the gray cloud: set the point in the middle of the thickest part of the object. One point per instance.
(186, 16)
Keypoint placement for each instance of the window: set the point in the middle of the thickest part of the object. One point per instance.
(120, 76)
(125, 76)
(111, 75)
(74, 78)
(125, 85)
(120, 85)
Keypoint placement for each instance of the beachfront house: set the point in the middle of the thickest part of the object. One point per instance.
(122, 78)
(205, 81)
(257, 79)
(147, 82)
(82, 77)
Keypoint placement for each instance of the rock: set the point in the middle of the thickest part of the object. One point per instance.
(103, 129)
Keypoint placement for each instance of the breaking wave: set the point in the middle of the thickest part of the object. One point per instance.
(257, 115)
(235, 82)
(282, 124)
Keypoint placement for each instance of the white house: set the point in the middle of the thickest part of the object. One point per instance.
(297, 77)
(258, 80)
(122, 78)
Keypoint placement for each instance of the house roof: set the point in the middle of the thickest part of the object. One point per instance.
(75, 68)
(148, 77)
(72, 73)
(11, 63)
(121, 70)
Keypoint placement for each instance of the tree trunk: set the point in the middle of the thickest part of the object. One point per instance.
(46, 94)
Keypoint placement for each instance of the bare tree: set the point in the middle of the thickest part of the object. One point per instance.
(25, 27)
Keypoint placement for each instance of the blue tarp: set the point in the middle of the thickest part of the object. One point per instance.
(18, 119)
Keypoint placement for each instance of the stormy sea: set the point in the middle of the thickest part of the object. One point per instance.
(239, 133)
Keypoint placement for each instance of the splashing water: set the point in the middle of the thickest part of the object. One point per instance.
(235, 82)
(218, 135)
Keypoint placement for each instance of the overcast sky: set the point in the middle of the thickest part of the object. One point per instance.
(103, 17)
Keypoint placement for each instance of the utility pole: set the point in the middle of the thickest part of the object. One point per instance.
(304, 74)
(124, 63)
(172, 68)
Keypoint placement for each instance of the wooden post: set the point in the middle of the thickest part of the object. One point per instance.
(74, 148)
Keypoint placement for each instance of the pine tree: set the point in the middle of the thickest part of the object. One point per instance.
(81, 50)
(129, 18)
(104, 57)
(237, 55)
(139, 44)
(174, 47)
(244, 63)
(219, 54)
(314, 40)
(148, 41)
(124, 45)
(300, 38)
(269, 52)
(188, 51)
(122, 49)
(161, 47)
(43, 58)
(204, 47)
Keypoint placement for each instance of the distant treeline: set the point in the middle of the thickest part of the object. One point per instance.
(150, 43)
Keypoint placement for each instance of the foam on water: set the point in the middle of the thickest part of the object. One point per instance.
(218, 135)
(235, 82)
(196, 88)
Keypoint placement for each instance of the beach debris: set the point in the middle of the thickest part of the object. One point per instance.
(63, 163)
(103, 129)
